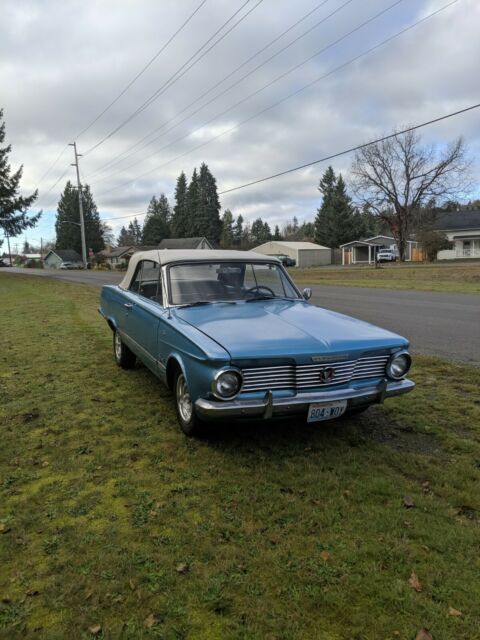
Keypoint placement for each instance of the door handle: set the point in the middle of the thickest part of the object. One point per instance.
(127, 305)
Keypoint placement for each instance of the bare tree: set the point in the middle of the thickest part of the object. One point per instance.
(396, 177)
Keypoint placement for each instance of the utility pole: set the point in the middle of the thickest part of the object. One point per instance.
(9, 252)
(80, 203)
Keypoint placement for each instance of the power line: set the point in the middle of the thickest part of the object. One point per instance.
(125, 153)
(284, 99)
(257, 91)
(351, 149)
(330, 157)
(51, 166)
(142, 71)
(177, 75)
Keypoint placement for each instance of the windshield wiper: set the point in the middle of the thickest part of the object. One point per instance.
(202, 302)
(195, 304)
(262, 298)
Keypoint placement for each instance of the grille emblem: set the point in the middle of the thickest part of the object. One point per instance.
(326, 374)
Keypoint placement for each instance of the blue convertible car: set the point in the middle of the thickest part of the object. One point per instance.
(231, 335)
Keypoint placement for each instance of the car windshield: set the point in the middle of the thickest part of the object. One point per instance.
(204, 282)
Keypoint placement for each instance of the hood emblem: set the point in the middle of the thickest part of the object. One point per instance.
(326, 374)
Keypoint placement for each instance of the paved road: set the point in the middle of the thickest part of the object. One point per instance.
(443, 324)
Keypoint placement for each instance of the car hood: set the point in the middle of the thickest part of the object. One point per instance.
(286, 328)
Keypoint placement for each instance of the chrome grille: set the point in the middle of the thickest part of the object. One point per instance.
(306, 376)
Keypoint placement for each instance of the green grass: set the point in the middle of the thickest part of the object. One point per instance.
(288, 530)
(461, 277)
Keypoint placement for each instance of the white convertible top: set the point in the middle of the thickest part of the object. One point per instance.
(167, 256)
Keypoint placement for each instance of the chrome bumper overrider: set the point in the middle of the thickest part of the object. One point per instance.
(268, 405)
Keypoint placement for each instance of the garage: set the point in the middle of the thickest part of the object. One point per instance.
(305, 254)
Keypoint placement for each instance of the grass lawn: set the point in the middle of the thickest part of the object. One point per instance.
(110, 517)
(463, 277)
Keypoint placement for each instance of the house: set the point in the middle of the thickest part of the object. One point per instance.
(365, 251)
(305, 254)
(463, 229)
(54, 258)
(185, 243)
(117, 255)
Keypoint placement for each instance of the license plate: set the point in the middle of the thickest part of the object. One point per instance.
(326, 411)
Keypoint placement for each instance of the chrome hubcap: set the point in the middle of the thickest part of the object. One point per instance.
(118, 346)
(184, 403)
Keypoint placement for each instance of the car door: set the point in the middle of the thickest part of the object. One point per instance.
(143, 308)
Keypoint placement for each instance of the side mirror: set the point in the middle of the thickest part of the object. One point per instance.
(307, 293)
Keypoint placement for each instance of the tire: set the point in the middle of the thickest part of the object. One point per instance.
(122, 354)
(189, 422)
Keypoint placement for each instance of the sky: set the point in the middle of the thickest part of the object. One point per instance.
(63, 63)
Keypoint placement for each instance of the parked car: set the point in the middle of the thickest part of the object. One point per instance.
(71, 265)
(386, 255)
(287, 261)
(4, 264)
(231, 335)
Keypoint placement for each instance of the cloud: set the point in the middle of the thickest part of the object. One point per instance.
(61, 64)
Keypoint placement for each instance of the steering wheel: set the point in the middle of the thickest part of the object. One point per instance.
(258, 287)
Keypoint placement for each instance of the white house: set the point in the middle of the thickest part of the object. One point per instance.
(306, 254)
(462, 228)
(365, 251)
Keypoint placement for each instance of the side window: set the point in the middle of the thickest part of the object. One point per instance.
(150, 285)
(135, 284)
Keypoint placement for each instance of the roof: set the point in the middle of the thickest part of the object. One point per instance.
(67, 255)
(293, 245)
(456, 220)
(181, 243)
(168, 256)
(115, 252)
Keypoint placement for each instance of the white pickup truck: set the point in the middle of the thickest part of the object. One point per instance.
(386, 255)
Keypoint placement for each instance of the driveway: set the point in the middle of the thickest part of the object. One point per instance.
(442, 324)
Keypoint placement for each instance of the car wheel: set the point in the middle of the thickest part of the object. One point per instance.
(123, 356)
(189, 422)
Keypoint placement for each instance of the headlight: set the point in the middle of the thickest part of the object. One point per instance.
(227, 383)
(398, 365)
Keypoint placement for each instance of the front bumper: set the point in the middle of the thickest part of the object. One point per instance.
(268, 405)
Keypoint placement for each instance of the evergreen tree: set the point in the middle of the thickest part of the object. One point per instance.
(206, 220)
(276, 234)
(124, 239)
(179, 222)
(192, 203)
(238, 230)
(135, 230)
(260, 231)
(68, 218)
(157, 221)
(226, 239)
(337, 221)
(13, 207)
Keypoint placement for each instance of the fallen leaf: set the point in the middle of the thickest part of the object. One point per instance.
(32, 592)
(150, 621)
(454, 612)
(88, 595)
(414, 582)
(424, 634)
(408, 502)
(132, 585)
(4, 528)
(325, 555)
(95, 629)
(182, 567)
